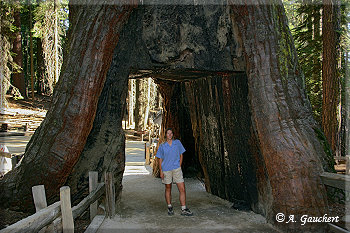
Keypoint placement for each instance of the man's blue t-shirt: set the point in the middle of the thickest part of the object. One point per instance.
(170, 154)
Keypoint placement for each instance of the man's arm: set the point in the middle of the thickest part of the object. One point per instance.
(160, 168)
(181, 158)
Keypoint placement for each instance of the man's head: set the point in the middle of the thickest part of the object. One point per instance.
(169, 134)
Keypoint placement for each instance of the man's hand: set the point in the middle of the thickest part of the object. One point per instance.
(161, 174)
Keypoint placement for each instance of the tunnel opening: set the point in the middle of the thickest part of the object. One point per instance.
(209, 113)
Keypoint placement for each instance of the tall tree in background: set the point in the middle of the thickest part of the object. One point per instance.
(6, 19)
(50, 26)
(17, 75)
(138, 105)
(131, 101)
(307, 34)
(330, 71)
(31, 50)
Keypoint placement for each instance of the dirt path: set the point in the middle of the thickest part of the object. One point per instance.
(143, 208)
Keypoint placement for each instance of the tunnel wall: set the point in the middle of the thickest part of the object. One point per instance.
(212, 119)
(221, 126)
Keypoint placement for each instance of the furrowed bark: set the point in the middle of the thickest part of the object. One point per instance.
(281, 114)
(58, 142)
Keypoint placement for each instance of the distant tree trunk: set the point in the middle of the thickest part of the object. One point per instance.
(330, 72)
(31, 51)
(18, 76)
(56, 42)
(347, 104)
(140, 105)
(316, 74)
(58, 142)
(148, 102)
(40, 67)
(131, 101)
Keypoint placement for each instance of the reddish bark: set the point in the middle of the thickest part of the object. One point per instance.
(18, 76)
(57, 144)
(330, 73)
(281, 115)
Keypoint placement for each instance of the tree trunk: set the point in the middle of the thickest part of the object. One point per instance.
(140, 105)
(347, 104)
(280, 109)
(316, 73)
(330, 73)
(18, 76)
(31, 51)
(131, 101)
(58, 142)
(56, 42)
(148, 99)
(40, 67)
(279, 139)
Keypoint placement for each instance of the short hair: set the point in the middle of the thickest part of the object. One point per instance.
(166, 131)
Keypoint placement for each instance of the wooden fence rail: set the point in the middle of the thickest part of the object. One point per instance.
(347, 162)
(59, 217)
(340, 181)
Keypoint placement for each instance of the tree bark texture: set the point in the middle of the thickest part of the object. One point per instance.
(58, 142)
(281, 116)
(139, 105)
(253, 136)
(105, 146)
(18, 76)
(41, 88)
(330, 72)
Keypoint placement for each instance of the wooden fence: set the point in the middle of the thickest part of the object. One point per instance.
(59, 217)
(340, 181)
(347, 162)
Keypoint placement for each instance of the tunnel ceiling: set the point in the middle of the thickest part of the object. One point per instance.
(179, 75)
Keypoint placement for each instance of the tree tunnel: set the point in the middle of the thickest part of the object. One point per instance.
(233, 92)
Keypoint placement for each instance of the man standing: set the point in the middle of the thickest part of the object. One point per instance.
(170, 154)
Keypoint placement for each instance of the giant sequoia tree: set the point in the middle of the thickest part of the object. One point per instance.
(242, 104)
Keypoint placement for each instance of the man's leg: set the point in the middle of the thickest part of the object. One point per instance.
(182, 191)
(168, 193)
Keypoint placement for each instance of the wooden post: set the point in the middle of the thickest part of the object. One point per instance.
(147, 162)
(110, 195)
(347, 172)
(39, 197)
(66, 209)
(93, 179)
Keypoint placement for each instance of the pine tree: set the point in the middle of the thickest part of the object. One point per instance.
(50, 26)
(307, 35)
(6, 20)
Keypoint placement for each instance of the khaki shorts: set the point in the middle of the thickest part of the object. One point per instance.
(173, 176)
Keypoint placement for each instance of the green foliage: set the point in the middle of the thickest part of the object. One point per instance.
(45, 28)
(305, 22)
(308, 40)
(44, 17)
(6, 20)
